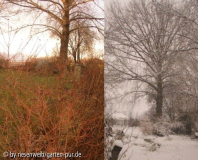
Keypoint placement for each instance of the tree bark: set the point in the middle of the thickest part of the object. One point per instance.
(64, 45)
(65, 36)
(64, 40)
(159, 98)
(74, 55)
(78, 53)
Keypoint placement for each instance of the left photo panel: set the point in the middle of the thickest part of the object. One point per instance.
(52, 79)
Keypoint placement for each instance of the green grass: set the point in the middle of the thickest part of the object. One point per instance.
(32, 79)
(26, 86)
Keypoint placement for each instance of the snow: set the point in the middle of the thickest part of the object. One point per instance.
(141, 147)
(118, 143)
(119, 116)
(128, 131)
(196, 134)
(179, 148)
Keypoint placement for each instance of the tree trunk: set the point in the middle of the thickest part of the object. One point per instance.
(64, 45)
(78, 53)
(74, 55)
(159, 98)
(64, 41)
(65, 36)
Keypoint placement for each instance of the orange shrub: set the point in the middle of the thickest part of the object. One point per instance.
(50, 117)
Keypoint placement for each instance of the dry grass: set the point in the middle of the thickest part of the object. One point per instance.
(51, 114)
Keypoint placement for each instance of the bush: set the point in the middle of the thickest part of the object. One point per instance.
(4, 63)
(146, 126)
(164, 126)
(119, 135)
(47, 67)
(158, 127)
(44, 117)
(92, 72)
(30, 65)
(1, 63)
(186, 120)
(177, 127)
(41, 66)
(133, 122)
(130, 121)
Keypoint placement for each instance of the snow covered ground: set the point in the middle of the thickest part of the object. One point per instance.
(140, 147)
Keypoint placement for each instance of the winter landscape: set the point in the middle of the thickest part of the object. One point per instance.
(138, 146)
(151, 85)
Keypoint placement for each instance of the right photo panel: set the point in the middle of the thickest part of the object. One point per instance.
(151, 80)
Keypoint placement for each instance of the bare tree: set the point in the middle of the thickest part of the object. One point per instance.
(58, 16)
(143, 42)
(81, 40)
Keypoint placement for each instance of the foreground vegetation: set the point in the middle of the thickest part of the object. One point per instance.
(50, 113)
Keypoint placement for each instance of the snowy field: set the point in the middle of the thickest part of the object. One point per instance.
(140, 147)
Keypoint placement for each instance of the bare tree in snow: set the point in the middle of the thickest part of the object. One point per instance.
(143, 41)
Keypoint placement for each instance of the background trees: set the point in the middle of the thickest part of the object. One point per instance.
(81, 40)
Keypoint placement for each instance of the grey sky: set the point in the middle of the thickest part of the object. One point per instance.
(125, 105)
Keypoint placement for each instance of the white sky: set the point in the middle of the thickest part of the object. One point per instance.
(38, 45)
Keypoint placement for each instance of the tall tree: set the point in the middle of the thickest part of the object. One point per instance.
(59, 15)
(143, 40)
